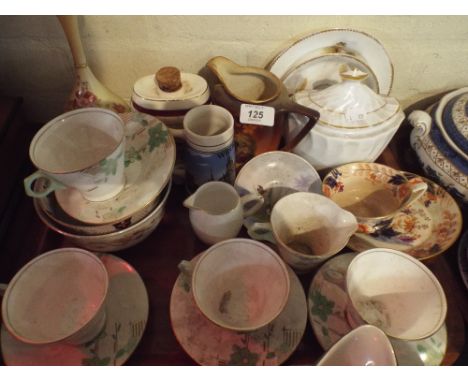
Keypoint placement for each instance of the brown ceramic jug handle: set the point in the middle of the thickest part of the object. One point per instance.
(313, 116)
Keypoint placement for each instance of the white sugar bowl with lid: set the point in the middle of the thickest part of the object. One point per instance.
(356, 124)
(169, 95)
(440, 140)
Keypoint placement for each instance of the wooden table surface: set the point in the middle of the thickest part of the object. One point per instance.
(157, 257)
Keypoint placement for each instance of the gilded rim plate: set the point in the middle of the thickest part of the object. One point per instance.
(426, 229)
(127, 313)
(149, 161)
(209, 344)
(327, 301)
(352, 41)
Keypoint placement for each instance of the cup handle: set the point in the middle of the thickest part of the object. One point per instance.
(311, 114)
(186, 268)
(3, 288)
(417, 190)
(246, 199)
(52, 186)
(266, 235)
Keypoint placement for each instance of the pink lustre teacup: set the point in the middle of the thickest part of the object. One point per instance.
(374, 193)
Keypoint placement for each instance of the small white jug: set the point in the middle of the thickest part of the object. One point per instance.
(217, 211)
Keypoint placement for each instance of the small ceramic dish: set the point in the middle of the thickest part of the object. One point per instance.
(350, 41)
(127, 310)
(274, 175)
(463, 258)
(149, 162)
(366, 345)
(424, 230)
(115, 241)
(327, 305)
(209, 344)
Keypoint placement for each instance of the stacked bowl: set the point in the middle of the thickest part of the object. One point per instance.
(134, 213)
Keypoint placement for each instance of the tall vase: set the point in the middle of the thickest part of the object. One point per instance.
(88, 91)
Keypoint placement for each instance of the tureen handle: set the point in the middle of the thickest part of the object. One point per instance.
(421, 121)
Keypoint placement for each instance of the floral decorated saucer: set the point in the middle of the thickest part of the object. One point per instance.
(327, 300)
(209, 344)
(426, 229)
(149, 161)
(127, 313)
(274, 175)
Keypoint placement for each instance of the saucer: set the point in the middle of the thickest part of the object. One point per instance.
(149, 162)
(463, 258)
(209, 344)
(327, 301)
(274, 175)
(126, 312)
(350, 41)
(425, 230)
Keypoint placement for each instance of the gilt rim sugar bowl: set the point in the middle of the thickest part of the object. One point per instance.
(355, 125)
(440, 140)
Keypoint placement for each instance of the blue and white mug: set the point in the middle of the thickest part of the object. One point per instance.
(210, 152)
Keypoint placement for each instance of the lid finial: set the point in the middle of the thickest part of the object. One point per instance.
(168, 79)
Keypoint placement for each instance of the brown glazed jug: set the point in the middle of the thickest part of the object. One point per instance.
(255, 86)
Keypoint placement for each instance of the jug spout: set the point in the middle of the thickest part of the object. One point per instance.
(190, 202)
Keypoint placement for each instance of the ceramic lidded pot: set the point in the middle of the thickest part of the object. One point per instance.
(440, 140)
(356, 124)
(169, 95)
(260, 104)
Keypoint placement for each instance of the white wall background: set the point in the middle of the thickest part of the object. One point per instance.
(429, 53)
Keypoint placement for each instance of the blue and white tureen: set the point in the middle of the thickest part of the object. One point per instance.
(440, 139)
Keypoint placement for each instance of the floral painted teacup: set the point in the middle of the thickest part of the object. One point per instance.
(374, 193)
(81, 149)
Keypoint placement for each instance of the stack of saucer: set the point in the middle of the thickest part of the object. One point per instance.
(130, 216)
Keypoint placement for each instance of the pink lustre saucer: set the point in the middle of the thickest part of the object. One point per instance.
(149, 162)
(127, 310)
(209, 344)
(426, 229)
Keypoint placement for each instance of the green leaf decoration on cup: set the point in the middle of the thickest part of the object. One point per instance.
(321, 306)
(157, 136)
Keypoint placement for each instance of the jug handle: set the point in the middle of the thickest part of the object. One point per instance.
(313, 115)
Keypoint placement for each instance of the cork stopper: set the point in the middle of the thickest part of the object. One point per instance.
(168, 79)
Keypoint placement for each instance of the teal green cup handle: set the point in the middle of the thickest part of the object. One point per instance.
(52, 186)
(261, 231)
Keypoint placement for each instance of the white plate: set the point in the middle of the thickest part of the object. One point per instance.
(126, 314)
(327, 301)
(355, 42)
(209, 344)
(149, 161)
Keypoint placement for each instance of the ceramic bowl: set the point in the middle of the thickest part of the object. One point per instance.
(366, 345)
(440, 140)
(115, 241)
(276, 174)
(62, 220)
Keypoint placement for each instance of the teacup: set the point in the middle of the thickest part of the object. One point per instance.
(217, 211)
(82, 149)
(395, 292)
(374, 193)
(58, 297)
(308, 228)
(239, 284)
(365, 345)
